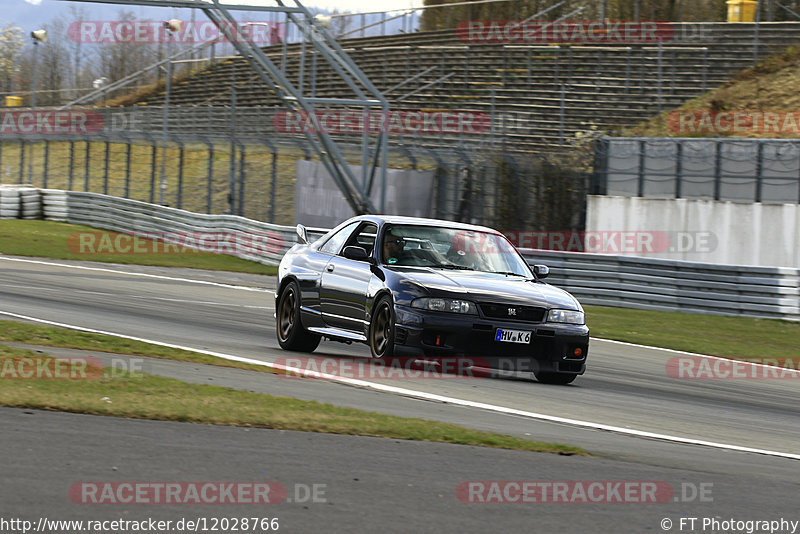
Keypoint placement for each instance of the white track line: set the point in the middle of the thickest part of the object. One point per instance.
(433, 397)
(145, 275)
(697, 355)
(143, 297)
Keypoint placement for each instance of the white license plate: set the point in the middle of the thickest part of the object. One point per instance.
(512, 336)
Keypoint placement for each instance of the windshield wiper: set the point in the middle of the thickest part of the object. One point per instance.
(510, 273)
(453, 266)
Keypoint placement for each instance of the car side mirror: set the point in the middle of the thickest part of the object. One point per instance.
(541, 271)
(357, 254)
(302, 235)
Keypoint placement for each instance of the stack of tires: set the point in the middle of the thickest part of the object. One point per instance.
(20, 202)
(55, 205)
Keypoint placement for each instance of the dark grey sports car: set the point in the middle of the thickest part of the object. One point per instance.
(429, 289)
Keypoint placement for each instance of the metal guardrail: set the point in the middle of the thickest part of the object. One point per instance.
(595, 279)
(244, 238)
(673, 285)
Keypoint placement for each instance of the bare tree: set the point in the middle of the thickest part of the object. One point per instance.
(53, 64)
(11, 43)
(339, 24)
(117, 60)
(81, 77)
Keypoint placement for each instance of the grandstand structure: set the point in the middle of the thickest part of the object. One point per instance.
(212, 141)
(539, 96)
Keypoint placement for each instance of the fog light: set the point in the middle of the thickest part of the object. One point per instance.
(578, 351)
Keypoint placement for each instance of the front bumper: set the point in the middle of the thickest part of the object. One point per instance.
(552, 347)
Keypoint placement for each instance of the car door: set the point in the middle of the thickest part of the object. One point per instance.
(345, 283)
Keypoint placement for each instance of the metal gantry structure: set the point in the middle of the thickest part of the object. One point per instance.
(374, 148)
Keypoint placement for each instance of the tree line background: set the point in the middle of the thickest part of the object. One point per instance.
(67, 69)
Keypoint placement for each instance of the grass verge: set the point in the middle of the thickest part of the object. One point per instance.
(61, 241)
(166, 399)
(52, 336)
(729, 337)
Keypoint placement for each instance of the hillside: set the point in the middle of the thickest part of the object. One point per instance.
(760, 102)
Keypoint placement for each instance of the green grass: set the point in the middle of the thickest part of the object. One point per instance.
(52, 336)
(166, 399)
(728, 337)
(61, 241)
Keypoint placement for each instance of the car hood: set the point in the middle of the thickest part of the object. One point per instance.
(488, 287)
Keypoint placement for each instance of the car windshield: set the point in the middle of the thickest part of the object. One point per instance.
(452, 248)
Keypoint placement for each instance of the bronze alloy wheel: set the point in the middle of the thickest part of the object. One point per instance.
(286, 313)
(289, 327)
(381, 331)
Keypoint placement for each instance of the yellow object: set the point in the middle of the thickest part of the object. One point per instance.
(742, 10)
(13, 101)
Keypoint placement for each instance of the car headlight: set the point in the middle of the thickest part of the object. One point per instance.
(445, 305)
(565, 316)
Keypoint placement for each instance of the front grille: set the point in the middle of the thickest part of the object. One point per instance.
(528, 314)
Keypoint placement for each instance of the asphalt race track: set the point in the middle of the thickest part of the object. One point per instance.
(376, 483)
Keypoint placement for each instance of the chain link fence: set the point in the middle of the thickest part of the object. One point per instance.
(255, 177)
(743, 170)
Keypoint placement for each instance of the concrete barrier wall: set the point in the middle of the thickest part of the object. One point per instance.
(318, 202)
(720, 232)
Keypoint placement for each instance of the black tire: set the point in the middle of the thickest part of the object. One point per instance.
(558, 379)
(382, 330)
(288, 326)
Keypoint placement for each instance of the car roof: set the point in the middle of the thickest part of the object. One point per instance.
(419, 221)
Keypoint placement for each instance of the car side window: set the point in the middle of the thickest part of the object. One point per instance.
(335, 242)
(364, 238)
